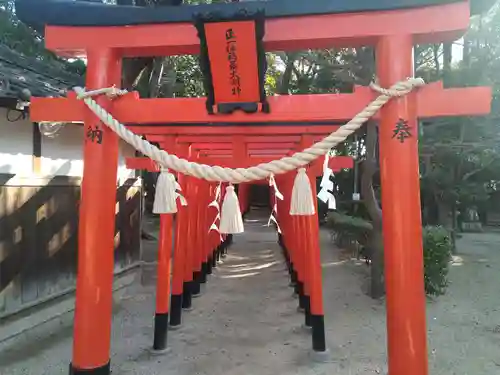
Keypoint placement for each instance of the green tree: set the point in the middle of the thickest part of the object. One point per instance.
(461, 156)
(21, 38)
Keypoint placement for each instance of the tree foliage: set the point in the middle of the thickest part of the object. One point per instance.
(460, 157)
(28, 42)
(18, 36)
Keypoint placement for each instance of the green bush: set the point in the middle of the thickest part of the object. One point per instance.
(436, 242)
(348, 230)
(354, 225)
(437, 255)
(337, 220)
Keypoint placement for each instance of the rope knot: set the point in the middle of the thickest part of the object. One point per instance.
(111, 92)
(400, 88)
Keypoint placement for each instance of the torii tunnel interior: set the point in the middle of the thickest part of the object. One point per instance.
(238, 126)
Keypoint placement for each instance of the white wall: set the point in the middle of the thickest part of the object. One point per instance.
(61, 156)
(16, 145)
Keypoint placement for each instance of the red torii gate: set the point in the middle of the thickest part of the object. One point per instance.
(259, 149)
(221, 151)
(223, 154)
(392, 29)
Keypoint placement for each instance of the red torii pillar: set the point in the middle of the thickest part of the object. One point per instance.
(240, 153)
(165, 292)
(96, 227)
(181, 288)
(309, 249)
(402, 224)
(214, 238)
(203, 231)
(163, 276)
(194, 189)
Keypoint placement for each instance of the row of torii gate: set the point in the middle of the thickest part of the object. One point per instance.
(237, 126)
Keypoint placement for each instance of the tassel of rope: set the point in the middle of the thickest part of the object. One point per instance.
(215, 203)
(325, 194)
(274, 211)
(231, 221)
(166, 194)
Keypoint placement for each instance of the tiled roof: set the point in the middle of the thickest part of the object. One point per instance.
(41, 78)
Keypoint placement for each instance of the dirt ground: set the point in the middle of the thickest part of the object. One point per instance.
(246, 322)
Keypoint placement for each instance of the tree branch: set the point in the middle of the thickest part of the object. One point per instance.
(476, 171)
(286, 78)
(155, 77)
(369, 169)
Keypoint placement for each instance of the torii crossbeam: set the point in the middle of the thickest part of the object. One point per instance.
(431, 101)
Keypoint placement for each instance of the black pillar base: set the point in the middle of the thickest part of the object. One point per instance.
(204, 273)
(210, 265)
(307, 311)
(195, 284)
(223, 249)
(286, 256)
(103, 370)
(244, 214)
(214, 259)
(289, 264)
(318, 333)
(293, 276)
(187, 293)
(285, 253)
(176, 310)
(299, 288)
(161, 330)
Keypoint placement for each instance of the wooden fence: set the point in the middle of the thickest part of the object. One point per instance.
(39, 237)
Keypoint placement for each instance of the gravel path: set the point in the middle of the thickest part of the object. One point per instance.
(246, 321)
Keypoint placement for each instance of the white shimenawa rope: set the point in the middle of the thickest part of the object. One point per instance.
(258, 172)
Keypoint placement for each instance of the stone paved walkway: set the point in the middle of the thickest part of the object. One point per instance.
(246, 321)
